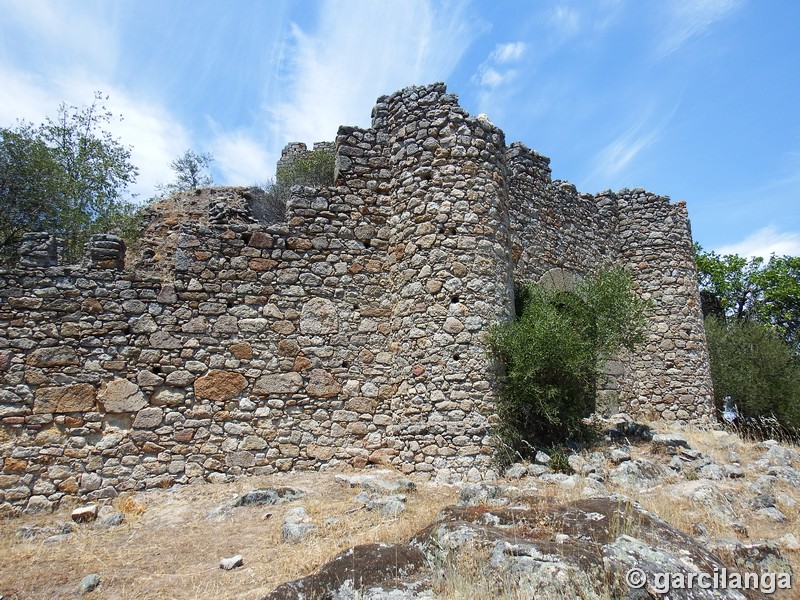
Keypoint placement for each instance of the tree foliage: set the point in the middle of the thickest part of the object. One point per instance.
(752, 289)
(313, 169)
(191, 172)
(552, 353)
(752, 310)
(752, 365)
(68, 176)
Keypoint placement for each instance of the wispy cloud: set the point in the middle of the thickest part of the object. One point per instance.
(506, 53)
(765, 242)
(241, 159)
(618, 155)
(334, 73)
(495, 75)
(688, 19)
(61, 33)
(76, 58)
(154, 135)
(565, 21)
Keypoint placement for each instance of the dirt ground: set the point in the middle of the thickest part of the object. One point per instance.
(168, 548)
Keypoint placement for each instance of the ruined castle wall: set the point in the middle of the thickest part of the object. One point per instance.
(669, 376)
(451, 278)
(350, 333)
(554, 226)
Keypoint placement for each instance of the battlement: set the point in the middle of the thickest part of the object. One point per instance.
(351, 332)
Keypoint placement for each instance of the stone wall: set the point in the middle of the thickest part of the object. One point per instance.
(350, 333)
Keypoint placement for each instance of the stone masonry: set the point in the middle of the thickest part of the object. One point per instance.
(351, 333)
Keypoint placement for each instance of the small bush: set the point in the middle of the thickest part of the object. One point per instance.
(551, 354)
(268, 200)
(314, 168)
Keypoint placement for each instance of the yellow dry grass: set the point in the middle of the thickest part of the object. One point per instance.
(168, 549)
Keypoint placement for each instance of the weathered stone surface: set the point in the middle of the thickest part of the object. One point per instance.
(231, 563)
(242, 350)
(165, 340)
(269, 496)
(319, 317)
(89, 584)
(321, 384)
(148, 418)
(219, 385)
(79, 397)
(120, 395)
(357, 569)
(284, 383)
(85, 514)
(297, 526)
(57, 356)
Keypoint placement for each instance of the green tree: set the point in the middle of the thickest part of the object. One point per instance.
(552, 353)
(752, 289)
(752, 310)
(30, 183)
(191, 172)
(68, 175)
(752, 367)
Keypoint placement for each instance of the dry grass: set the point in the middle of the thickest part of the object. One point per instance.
(168, 549)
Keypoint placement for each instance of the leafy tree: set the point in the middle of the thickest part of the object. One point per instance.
(753, 367)
(30, 181)
(68, 175)
(780, 305)
(750, 289)
(552, 353)
(752, 310)
(191, 172)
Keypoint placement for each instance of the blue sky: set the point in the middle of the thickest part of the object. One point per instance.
(698, 100)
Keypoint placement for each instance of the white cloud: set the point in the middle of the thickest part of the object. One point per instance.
(64, 32)
(335, 73)
(490, 78)
(73, 50)
(692, 18)
(614, 158)
(505, 53)
(495, 76)
(764, 242)
(566, 21)
(241, 159)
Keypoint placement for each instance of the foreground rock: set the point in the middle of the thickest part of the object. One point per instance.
(581, 549)
(369, 570)
(264, 497)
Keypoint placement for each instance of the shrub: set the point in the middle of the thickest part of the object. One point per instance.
(551, 354)
(314, 169)
(754, 369)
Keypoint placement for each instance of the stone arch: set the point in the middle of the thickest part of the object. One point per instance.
(560, 279)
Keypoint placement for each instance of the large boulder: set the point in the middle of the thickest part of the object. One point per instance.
(359, 572)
